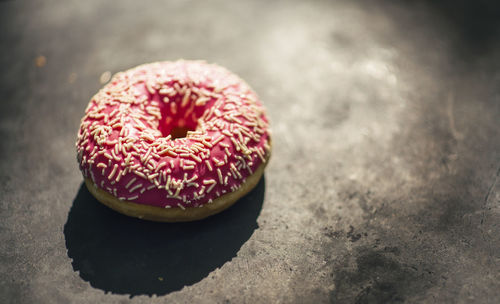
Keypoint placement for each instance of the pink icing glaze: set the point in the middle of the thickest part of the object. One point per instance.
(124, 144)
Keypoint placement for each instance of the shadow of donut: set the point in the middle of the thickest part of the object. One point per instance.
(124, 255)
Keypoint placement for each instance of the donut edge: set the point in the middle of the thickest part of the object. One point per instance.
(171, 215)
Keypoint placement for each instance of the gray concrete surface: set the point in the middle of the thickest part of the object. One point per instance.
(383, 185)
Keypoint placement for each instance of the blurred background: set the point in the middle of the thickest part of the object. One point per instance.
(383, 183)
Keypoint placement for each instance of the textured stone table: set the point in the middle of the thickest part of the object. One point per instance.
(383, 184)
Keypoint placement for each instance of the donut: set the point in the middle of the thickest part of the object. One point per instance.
(173, 141)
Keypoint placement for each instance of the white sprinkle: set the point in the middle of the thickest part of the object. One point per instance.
(167, 186)
(135, 187)
(235, 144)
(209, 181)
(202, 190)
(152, 176)
(219, 173)
(147, 153)
(185, 98)
(217, 162)
(194, 177)
(206, 143)
(196, 158)
(201, 101)
(236, 170)
(207, 162)
(114, 155)
(259, 153)
(211, 187)
(160, 166)
(110, 176)
(189, 162)
(179, 188)
(118, 176)
(140, 174)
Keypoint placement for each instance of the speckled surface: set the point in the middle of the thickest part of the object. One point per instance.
(383, 185)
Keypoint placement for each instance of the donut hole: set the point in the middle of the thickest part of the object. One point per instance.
(176, 127)
(179, 132)
(179, 114)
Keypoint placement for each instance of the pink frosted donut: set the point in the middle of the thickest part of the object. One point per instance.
(173, 141)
